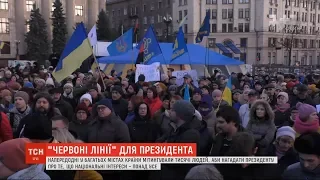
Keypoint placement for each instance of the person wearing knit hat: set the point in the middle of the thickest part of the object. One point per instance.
(308, 148)
(38, 128)
(173, 90)
(28, 85)
(87, 99)
(14, 86)
(22, 95)
(49, 82)
(196, 97)
(107, 126)
(282, 110)
(81, 124)
(283, 96)
(182, 111)
(205, 90)
(120, 105)
(12, 157)
(307, 119)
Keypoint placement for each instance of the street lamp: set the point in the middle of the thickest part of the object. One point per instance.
(17, 49)
(167, 21)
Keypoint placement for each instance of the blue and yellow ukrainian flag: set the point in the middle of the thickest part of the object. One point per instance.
(75, 52)
(179, 46)
(227, 95)
(121, 45)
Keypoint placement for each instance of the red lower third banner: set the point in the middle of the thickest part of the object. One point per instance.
(36, 153)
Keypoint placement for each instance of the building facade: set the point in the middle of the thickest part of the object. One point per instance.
(126, 12)
(15, 13)
(254, 26)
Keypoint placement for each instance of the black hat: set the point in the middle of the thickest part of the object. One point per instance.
(302, 88)
(56, 90)
(269, 86)
(253, 93)
(38, 126)
(141, 77)
(118, 89)
(308, 143)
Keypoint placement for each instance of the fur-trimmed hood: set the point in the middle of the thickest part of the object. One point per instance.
(269, 113)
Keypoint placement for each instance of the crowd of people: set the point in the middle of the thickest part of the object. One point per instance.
(269, 116)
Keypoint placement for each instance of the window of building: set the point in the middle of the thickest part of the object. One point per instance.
(159, 5)
(208, 1)
(227, 1)
(159, 19)
(180, 2)
(185, 26)
(152, 6)
(180, 16)
(214, 1)
(224, 27)
(168, 3)
(246, 27)
(274, 58)
(29, 5)
(145, 20)
(212, 42)
(144, 8)
(152, 19)
(185, 12)
(247, 13)
(243, 42)
(214, 13)
(230, 27)
(78, 10)
(4, 25)
(230, 13)
(269, 57)
(275, 12)
(113, 13)
(240, 27)
(185, 2)
(243, 1)
(4, 4)
(6, 48)
(125, 11)
(270, 11)
(224, 13)
(119, 12)
(240, 13)
(214, 28)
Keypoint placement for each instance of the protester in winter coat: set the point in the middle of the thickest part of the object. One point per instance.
(142, 129)
(207, 113)
(217, 100)
(107, 127)
(119, 104)
(227, 125)
(44, 105)
(182, 114)
(196, 98)
(5, 128)
(244, 144)
(64, 107)
(12, 161)
(68, 94)
(301, 96)
(261, 124)
(87, 99)
(235, 99)
(282, 110)
(153, 100)
(165, 106)
(307, 119)
(20, 109)
(244, 110)
(308, 147)
(187, 81)
(94, 92)
(283, 149)
(132, 103)
(81, 122)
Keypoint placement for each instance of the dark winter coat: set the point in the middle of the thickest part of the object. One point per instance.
(121, 108)
(65, 108)
(81, 128)
(282, 118)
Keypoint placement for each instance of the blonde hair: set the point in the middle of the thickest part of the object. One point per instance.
(63, 135)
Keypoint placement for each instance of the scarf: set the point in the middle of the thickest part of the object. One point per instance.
(68, 96)
(283, 107)
(303, 127)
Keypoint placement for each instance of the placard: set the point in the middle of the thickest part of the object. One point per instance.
(180, 74)
(151, 72)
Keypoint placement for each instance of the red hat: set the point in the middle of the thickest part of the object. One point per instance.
(290, 85)
(82, 106)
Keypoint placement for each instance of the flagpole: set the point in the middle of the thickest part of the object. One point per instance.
(136, 37)
(95, 61)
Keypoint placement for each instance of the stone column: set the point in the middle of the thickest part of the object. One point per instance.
(70, 16)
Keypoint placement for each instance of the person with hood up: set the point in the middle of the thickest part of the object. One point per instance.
(261, 124)
(6, 101)
(228, 123)
(282, 110)
(217, 100)
(307, 119)
(44, 105)
(20, 109)
(244, 110)
(308, 147)
(64, 107)
(12, 162)
(82, 121)
(207, 113)
(283, 149)
(68, 94)
(107, 127)
(196, 98)
(142, 129)
(87, 99)
(182, 115)
(153, 100)
(119, 104)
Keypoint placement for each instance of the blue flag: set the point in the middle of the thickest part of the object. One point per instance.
(121, 45)
(151, 47)
(186, 95)
(204, 28)
(179, 45)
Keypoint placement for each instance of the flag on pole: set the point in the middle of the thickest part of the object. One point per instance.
(186, 95)
(150, 44)
(182, 21)
(121, 45)
(204, 28)
(227, 95)
(136, 27)
(140, 58)
(179, 45)
(77, 50)
(93, 36)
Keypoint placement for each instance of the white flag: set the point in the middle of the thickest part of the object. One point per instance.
(93, 36)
